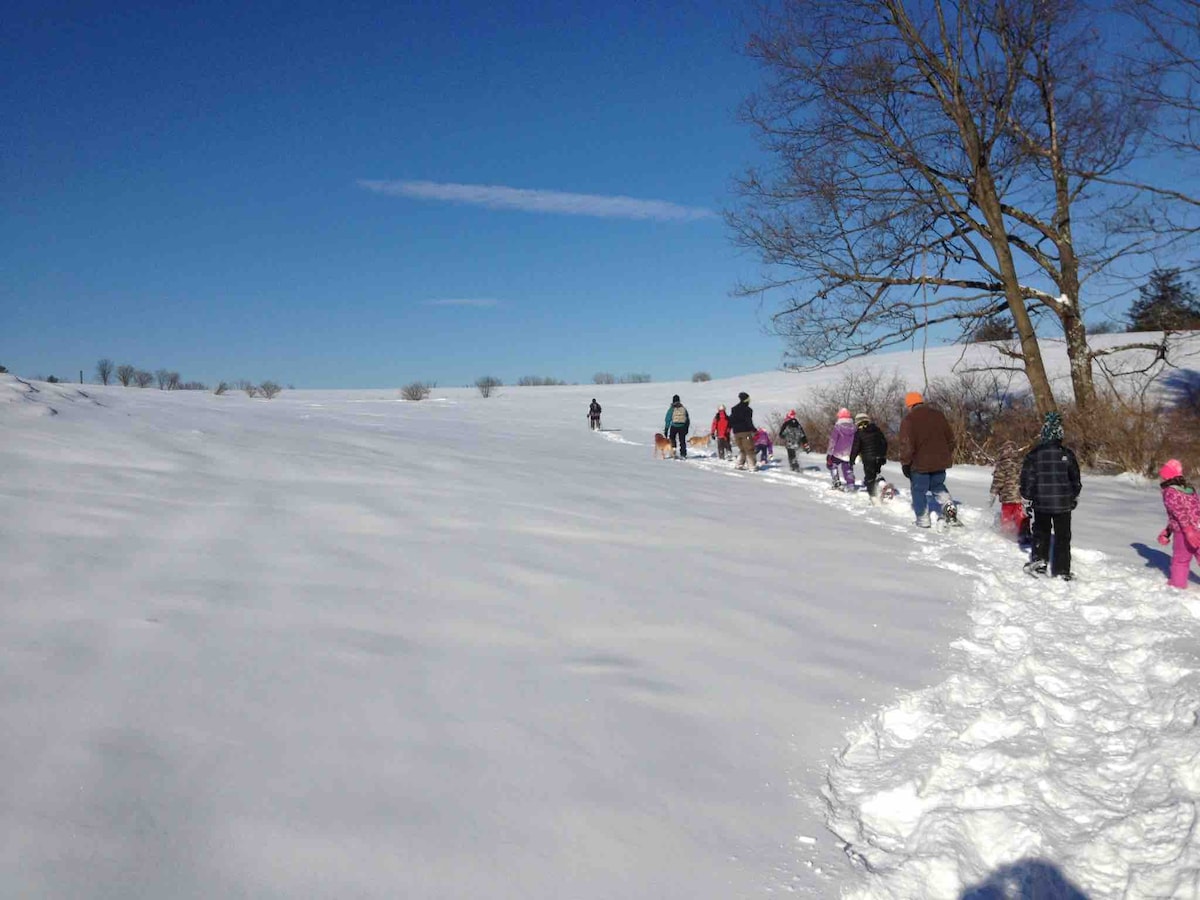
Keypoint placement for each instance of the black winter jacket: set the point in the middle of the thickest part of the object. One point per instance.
(870, 443)
(791, 433)
(741, 418)
(1050, 478)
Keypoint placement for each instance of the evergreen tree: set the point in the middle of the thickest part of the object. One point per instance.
(1167, 303)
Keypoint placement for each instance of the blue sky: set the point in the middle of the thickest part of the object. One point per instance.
(373, 195)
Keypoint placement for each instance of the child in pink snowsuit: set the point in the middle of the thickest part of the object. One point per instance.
(1183, 521)
(837, 455)
(763, 445)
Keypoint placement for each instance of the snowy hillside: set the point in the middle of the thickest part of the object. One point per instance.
(340, 645)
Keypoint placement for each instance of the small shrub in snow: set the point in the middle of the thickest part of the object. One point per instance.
(221, 388)
(701, 376)
(487, 385)
(604, 378)
(636, 378)
(538, 381)
(269, 389)
(142, 378)
(125, 374)
(417, 390)
(249, 387)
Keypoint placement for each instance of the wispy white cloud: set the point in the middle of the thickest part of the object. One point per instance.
(495, 196)
(477, 302)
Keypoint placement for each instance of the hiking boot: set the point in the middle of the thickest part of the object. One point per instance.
(1035, 567)
(923, 520)
(1066, 576)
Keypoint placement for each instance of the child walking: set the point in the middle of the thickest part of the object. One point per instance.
(1183, 521)
(871, 444)
(763, 445)
(837, 456)
(1006, 486)
(1050, 482)
(791, 432)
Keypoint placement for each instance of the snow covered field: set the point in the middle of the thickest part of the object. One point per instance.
(340, 645)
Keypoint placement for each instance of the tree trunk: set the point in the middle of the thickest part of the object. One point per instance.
(1080, 359)
(1035, 369)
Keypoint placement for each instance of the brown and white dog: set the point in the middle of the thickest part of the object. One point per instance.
(662, 446)
(699, 440)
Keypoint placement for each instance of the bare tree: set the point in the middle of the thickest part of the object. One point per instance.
(221, 388)
(269, 389)
(142, 378)
(417, 390)
(104, 370)
(125, 374)
(249, 387)
(163, 378)
(604, 378)
(487, 385)
(701, 376)
(939, 163)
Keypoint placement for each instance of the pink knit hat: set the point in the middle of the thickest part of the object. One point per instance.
(843, 413)
(1172, 468)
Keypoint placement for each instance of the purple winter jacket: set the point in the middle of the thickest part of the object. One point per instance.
(841, 439)
(762, 439)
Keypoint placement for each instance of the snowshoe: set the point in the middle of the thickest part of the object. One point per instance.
(1035, 567)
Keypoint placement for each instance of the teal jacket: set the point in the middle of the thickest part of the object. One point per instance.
(670, 418)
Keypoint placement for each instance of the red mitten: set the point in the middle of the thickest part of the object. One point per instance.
(1164, 536)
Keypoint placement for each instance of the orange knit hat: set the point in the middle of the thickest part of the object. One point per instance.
(911, 399)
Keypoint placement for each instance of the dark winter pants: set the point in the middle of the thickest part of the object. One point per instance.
(678, 435)
(1060, 524)
(792, 459)
(724, 447)
(595, 423)
(871, 469)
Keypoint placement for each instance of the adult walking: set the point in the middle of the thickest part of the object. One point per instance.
(720, 431)
(926, 452)
(741, 422)
(594, 414)
(675, 425)
(1050, 482)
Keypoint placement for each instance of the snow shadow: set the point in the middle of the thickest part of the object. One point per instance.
(1159, 559)
(1029, 879)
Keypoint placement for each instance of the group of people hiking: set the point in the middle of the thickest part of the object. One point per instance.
(1038, 486)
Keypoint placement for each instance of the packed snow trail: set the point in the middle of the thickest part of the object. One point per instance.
(1065, 741)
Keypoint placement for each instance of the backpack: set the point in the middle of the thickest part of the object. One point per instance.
(679, 415)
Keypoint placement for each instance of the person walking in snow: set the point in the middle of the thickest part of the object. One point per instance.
(721, 431)
(837, 454)
(926, 452)
(791, 432)
(1183, 521)
(871, 444)
(763, 445)
(675, 425)
(1050, 482)
(594, 414)
(741, 423)
(1006, 487)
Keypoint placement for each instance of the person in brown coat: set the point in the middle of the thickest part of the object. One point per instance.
(926, 452)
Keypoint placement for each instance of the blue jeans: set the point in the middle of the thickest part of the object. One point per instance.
(932, 483)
